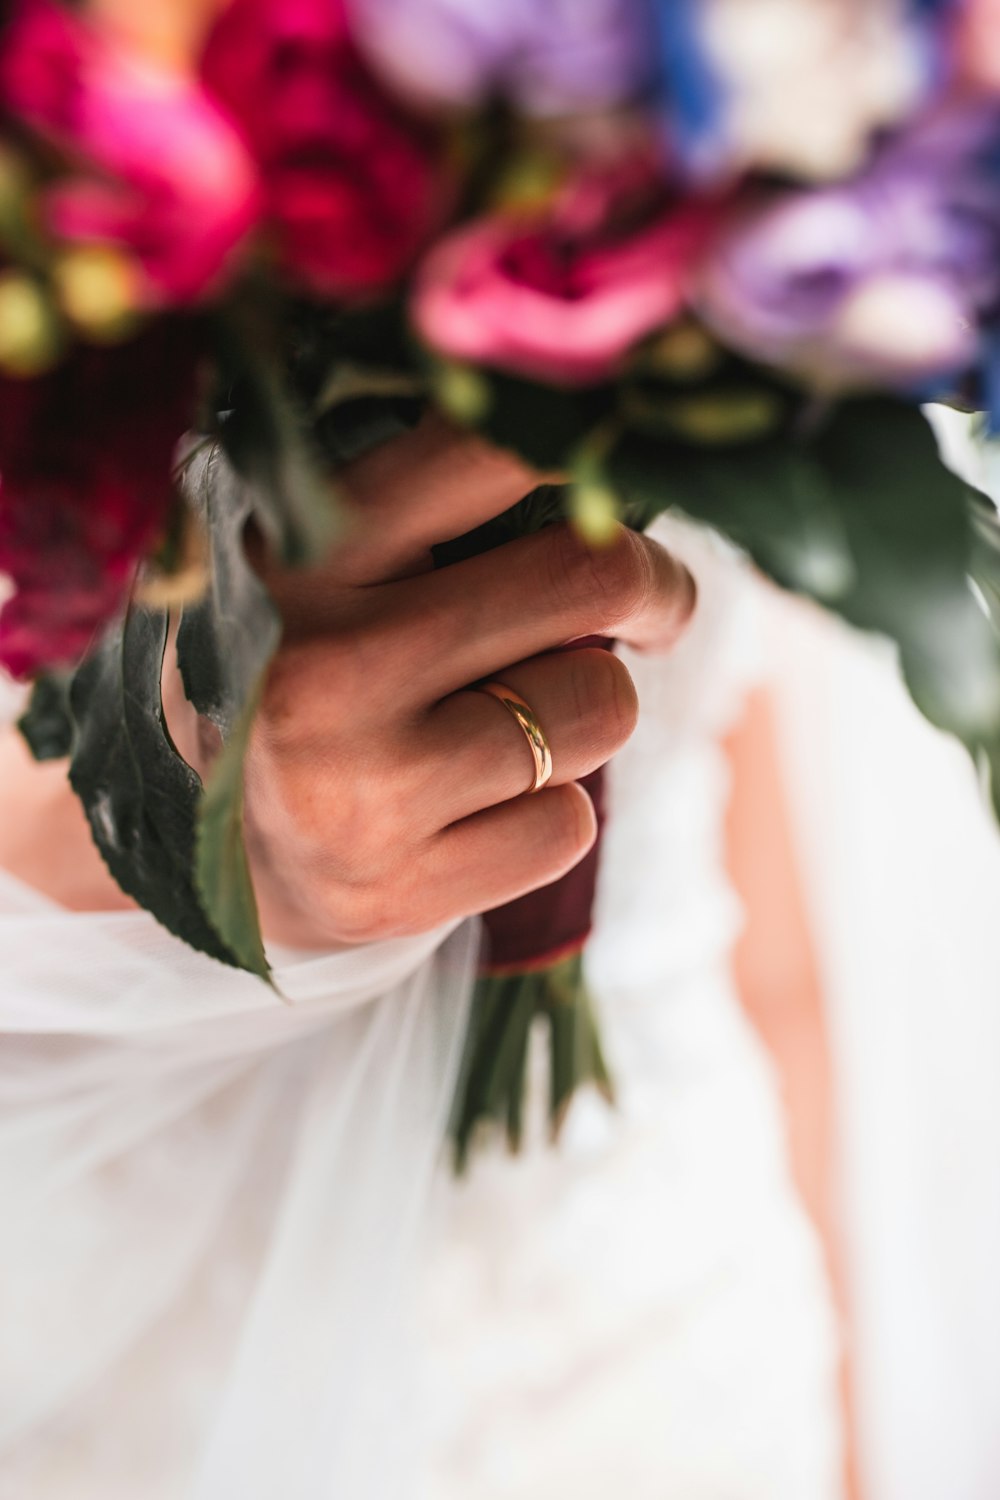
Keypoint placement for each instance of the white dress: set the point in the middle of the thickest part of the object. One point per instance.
(212, 1285)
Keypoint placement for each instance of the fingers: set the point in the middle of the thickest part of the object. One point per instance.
(426, 487)
(533, 595)
(507, 851)
(401, 499)
(476, 755)
(471, 867)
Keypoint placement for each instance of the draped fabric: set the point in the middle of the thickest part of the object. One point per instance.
(902, 862)
(213, 1197)
(211, 1205)
(643, 1310)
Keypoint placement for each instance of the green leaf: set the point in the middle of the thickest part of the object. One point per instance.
(224, 646)
(860, 513)
(910, 529)
(494, 1077)
(140, 796)
(267, 436)
(769, 498)
(544, 424)
(47, 722)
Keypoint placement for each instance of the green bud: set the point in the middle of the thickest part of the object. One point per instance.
(463, 392)
(593, 512)
(30, 341)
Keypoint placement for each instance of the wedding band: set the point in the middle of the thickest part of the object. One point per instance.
(533, 731)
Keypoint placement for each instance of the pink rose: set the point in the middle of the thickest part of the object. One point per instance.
(353, 182)
(563, 297)
(85, 485)
(156, 168)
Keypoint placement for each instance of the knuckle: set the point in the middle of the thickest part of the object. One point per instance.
(628, 575)
(604, 698)
(618, 700)
(685, 597)
(612, 582)
(676, 601)
(572, 824)
(364, 912)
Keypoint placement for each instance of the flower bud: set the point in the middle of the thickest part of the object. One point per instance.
(29, 331)
(100, 290)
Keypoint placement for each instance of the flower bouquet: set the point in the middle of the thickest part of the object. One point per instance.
(703, 254)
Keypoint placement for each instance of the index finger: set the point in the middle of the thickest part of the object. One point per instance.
(425, 487)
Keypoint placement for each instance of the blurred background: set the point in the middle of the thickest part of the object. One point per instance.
(901, 866)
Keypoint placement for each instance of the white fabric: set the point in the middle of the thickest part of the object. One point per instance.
(206, 1191)
(210, 1200)
(643, 1312)
(903, 860)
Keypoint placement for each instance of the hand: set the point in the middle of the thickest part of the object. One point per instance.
(382, 796)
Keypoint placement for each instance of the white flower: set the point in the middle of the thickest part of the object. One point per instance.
(805, 83)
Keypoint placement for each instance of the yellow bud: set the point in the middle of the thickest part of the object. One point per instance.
(100, 291)
(30, 340)
(14, 185)
(593, 511)
(722, 418)
(683, 352)
(529, 182)
(462, 391)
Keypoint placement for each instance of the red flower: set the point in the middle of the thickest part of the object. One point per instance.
(157, 170)
(353, 183)
(85, 484)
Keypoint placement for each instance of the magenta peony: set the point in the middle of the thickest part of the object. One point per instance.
(85, 485)
(353, 183)
(564, 297)
(155, 167)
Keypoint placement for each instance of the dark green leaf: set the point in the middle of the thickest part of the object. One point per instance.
(268, 439)
(770, 498)
(909, 527)
(861, 514)
(224, 645)
(544, 424)
(140, 796)
(47, 722)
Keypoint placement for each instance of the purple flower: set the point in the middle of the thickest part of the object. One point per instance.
(881, 280)
(548, 57)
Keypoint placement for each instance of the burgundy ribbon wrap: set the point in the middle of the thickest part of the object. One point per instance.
(541, 928)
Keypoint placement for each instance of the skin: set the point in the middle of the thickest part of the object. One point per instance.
(384, 797)
(777, 977)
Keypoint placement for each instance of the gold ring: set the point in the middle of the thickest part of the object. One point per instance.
(533, 731)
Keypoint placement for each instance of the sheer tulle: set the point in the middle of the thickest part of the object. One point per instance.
(199, 1176)
(215, 1196)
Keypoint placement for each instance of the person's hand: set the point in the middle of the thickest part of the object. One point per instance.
(382, 796)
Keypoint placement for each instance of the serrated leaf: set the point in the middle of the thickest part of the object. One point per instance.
(224, 645)
(140, 797)
(222, 871)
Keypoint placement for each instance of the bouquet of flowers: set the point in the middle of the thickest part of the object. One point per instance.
(703, 254)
